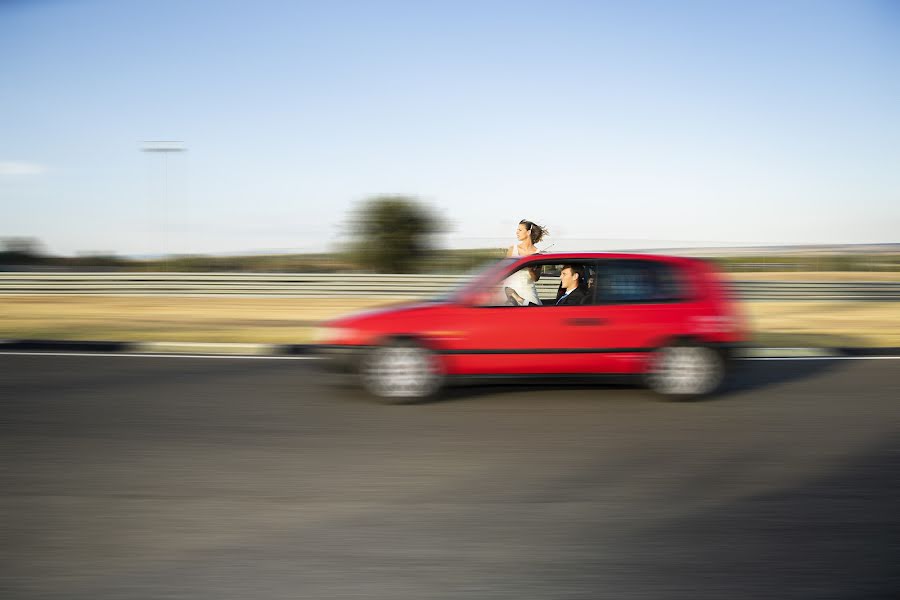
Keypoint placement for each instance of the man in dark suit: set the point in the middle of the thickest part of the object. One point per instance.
(571, 278)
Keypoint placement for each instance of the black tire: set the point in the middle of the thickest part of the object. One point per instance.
(401, 372)
(685, 371)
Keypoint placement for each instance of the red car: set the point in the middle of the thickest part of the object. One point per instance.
(667, 319)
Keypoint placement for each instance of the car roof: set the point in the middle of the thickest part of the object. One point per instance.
(563, 256)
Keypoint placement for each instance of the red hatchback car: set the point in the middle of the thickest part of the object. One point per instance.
(667, 319)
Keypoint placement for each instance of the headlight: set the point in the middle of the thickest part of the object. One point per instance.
(330, 335)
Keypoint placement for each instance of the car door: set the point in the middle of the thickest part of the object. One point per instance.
(547, 339)
(641, 302)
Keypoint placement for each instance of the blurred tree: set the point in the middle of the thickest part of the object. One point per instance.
(21, 251)
(392, 234)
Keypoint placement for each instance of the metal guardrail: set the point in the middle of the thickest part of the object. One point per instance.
(883, 291)
(327, 285)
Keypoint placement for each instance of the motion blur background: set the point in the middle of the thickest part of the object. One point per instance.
(239, 172)
(397, 137)
(386, 137)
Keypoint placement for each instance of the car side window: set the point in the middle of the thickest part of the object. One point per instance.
(585, 291)
(638, 281)
(514, 290)
(539, 284)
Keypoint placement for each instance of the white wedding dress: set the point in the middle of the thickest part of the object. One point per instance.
(522, 283)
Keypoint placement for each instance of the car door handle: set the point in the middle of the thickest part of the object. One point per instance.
(583, 322)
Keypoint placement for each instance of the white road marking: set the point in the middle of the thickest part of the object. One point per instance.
(120, 354)
(820, 358)
(248, 357)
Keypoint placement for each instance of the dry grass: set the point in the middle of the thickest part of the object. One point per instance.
(824, 323)
(289, 320)
(177, 319)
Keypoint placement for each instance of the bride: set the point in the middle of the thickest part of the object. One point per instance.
(520, 286)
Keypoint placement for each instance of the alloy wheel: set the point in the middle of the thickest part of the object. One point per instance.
(685, 371)
(400, 372)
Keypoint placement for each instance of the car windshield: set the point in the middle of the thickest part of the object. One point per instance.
(473, 279)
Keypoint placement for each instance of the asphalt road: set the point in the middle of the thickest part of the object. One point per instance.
(127, 477)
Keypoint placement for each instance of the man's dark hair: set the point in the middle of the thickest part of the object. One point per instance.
(578, 270)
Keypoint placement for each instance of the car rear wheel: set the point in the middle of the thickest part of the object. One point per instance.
(685, 371)
(401, 372)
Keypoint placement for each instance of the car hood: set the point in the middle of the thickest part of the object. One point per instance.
(398, 311)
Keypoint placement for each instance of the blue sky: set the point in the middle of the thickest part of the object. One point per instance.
(615, 124)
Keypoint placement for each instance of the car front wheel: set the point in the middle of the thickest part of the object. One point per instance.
(401, 372)
(685, 371)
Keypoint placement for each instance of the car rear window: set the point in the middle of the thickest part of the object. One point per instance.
(639, 281)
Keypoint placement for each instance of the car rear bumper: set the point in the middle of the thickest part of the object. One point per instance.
(730, 350)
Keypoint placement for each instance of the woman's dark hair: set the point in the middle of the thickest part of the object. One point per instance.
(537, 232)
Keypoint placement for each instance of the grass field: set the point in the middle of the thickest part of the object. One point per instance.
(290, 320)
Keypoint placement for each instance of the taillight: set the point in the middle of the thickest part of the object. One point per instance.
(716, 324)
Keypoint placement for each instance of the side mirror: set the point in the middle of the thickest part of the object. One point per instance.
(479, 298)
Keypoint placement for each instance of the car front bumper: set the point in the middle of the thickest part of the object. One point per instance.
(340, 359)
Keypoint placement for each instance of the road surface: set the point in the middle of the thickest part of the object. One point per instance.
(127, 477)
